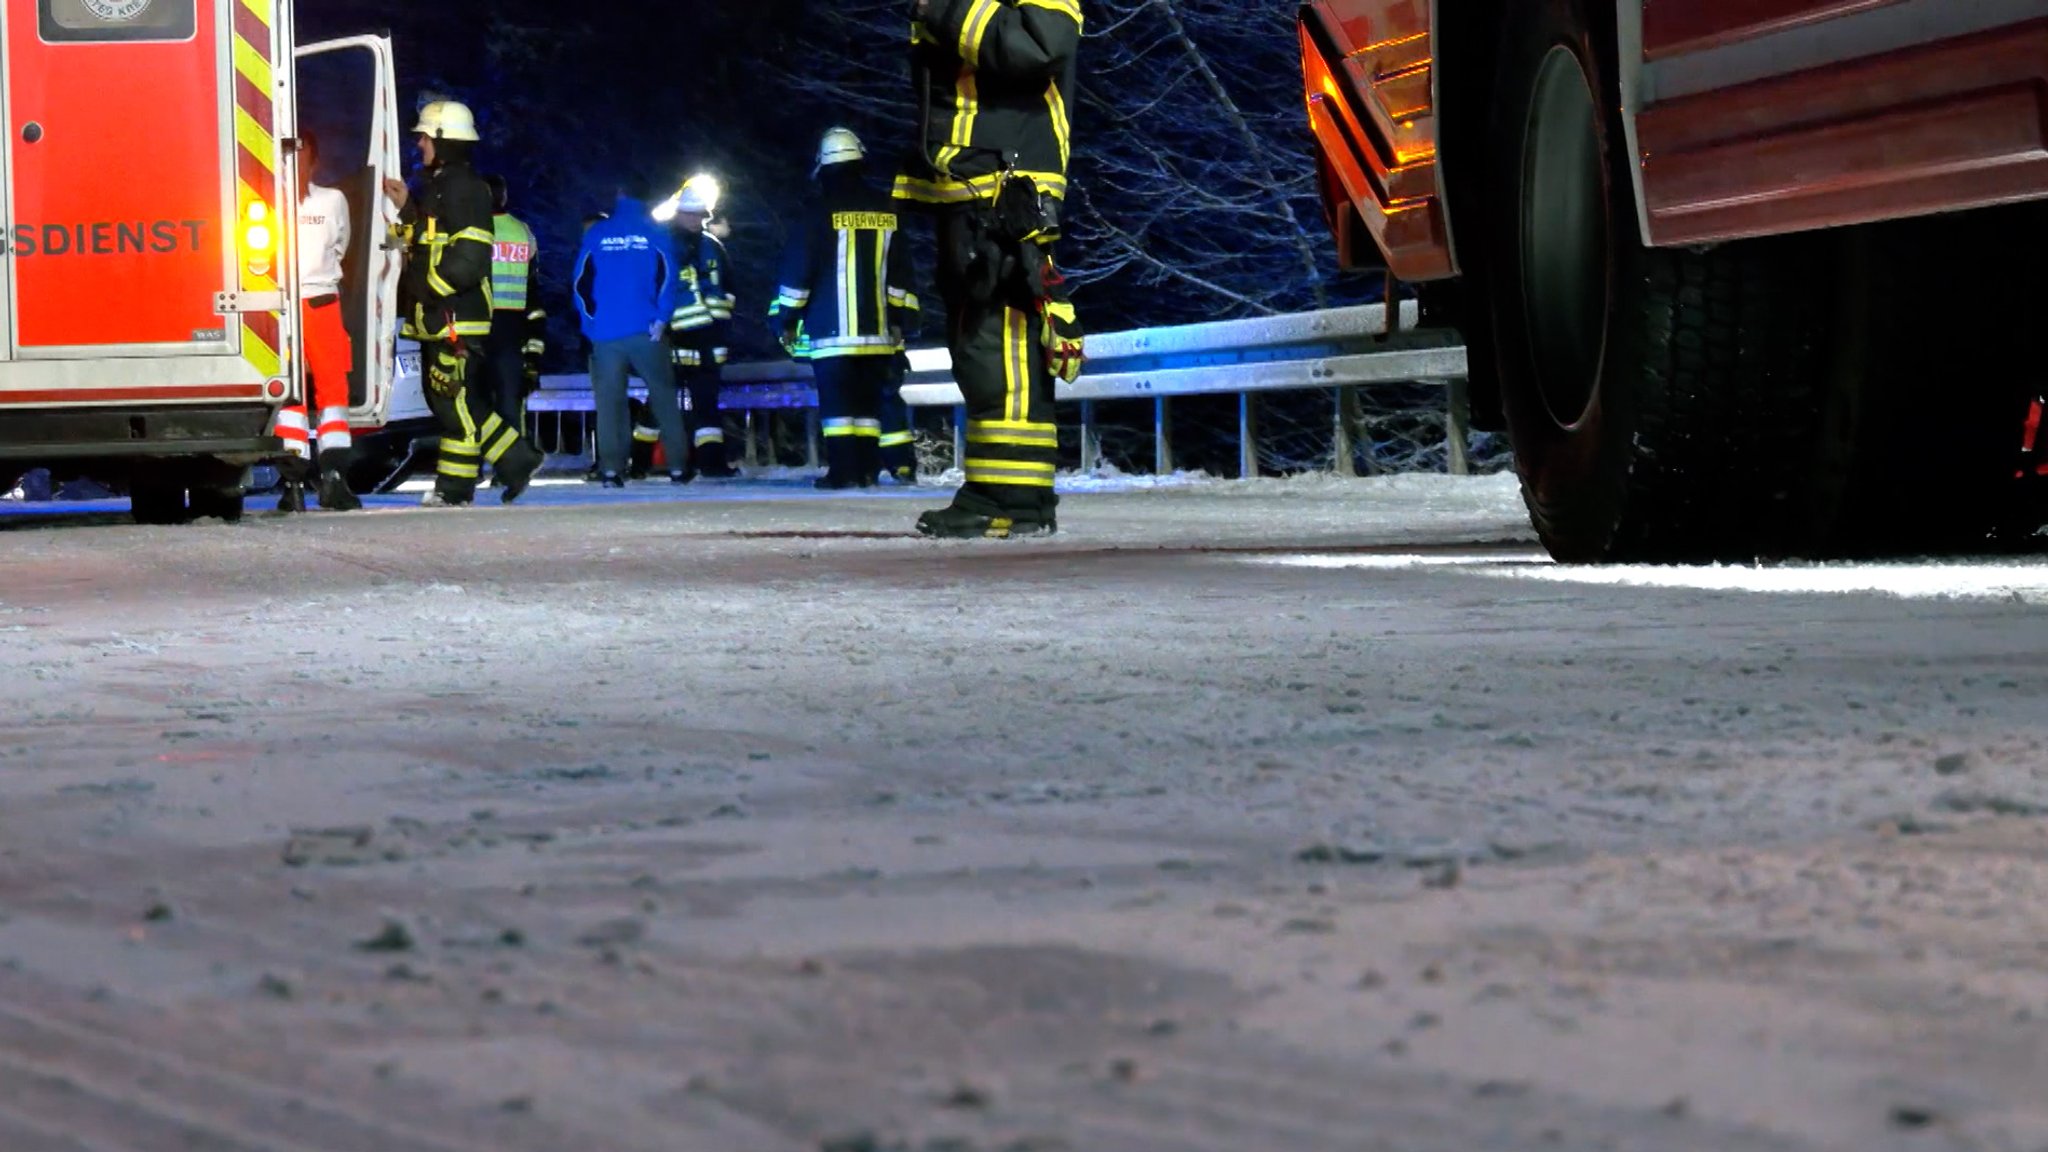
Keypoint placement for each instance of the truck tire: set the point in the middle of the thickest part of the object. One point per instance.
(218, 491)
(1660, 402)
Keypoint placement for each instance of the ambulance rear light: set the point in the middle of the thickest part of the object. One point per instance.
(259, 239)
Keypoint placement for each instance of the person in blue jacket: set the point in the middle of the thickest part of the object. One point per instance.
(625, 289)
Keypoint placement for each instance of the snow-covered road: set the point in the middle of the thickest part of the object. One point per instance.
(1293, 815)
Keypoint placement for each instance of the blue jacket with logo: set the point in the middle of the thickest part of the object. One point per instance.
(626, 275)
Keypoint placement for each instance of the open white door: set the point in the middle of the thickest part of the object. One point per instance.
(348, 95)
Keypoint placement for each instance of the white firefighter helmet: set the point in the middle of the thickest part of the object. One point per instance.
(447, 120)
(839, 146)
(697, 197)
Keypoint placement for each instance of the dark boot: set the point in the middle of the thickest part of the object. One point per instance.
(841, 465)
(867, 460)
(515, 469)
(293, 472)
(958, 523)
(335, 493)
(711, 462)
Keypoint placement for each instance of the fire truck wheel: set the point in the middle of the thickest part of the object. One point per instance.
(217, 492)
(1659, 401)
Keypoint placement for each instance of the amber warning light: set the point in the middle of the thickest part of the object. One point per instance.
(259, 240)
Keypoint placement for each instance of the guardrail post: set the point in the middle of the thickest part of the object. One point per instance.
(1247, 437)
(1162, 438)
(1091, 449)
(812, 431)
(753, 443)
(1458, 428)
(1347, 409)
(960, 437)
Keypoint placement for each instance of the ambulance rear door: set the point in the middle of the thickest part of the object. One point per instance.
(132, 162)
(348, 96)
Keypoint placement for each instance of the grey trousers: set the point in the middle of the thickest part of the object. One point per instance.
(610, 364)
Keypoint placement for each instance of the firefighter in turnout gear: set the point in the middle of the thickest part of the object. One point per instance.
(994, 80)
(519, 324)
(845, 286)
(445, 299)
(701, 329)
(899, 437)
(330, 355)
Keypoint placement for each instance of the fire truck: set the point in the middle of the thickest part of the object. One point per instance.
(150, 326)
(1738, 278)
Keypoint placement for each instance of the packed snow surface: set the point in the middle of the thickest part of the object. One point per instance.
(1308, 814)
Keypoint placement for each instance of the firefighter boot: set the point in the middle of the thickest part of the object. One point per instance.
(711, 463)
(841, 466)
(867, 461)
(516, 468)
(957, 523)
(292, 473)
(335, 494)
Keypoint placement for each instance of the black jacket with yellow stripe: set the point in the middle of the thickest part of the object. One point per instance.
(997, 80)
(846, 275)
(446, 290)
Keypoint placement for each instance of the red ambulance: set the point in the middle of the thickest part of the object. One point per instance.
(149, 324)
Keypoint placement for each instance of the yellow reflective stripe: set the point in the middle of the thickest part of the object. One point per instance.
(898, 439)
(1036, 467)
(972, 29)
(1016, 365)
(250, 135)
(1015, 441)
(503, 444)
(882, 243)
(966, 106)
(476, 234)
(1011, 473)
(253, 67)
(907, 301)
(847, 281)
(1012, 426)
(459, 471)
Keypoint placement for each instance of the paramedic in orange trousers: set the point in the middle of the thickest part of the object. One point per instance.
(330, 355)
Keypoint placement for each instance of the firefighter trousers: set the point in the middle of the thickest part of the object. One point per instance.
(501, 388)
(472, 436)
(850, 415)
(999, 361)
(899, 438)
(707, 422)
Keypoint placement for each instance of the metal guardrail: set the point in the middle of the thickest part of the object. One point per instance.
(1343, 349)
